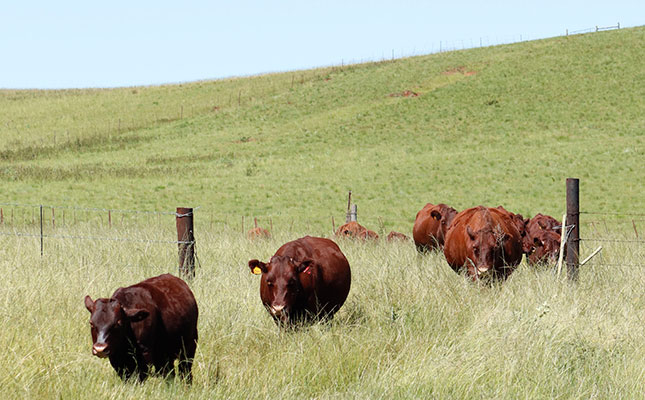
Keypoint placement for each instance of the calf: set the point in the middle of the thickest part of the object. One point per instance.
(148, 324)
(485, 241)
(353, 229)
(431, 225)
(306, 279)
(396, 236)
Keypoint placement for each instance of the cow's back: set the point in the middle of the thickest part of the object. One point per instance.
(173, 312)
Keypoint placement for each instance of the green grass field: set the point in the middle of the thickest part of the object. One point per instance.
(499, 125)
(411, 327)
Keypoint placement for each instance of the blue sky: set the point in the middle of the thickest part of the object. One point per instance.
(73, 44)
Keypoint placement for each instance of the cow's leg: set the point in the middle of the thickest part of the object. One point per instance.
(186, 356)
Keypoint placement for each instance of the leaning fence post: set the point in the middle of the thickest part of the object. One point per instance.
(186, 242)
(573, 221)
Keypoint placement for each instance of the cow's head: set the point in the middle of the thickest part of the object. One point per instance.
(486, 249)
(444, 216)
(546, 248)
(281, 288)
(110, 324)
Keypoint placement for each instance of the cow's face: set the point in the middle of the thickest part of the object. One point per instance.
(486, 249)
(281, 288)
(546, 248)
(110, 323)
(443, 217)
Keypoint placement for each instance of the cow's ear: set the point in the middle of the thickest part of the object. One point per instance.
(436, 215)
(305, 266)
(89, 304)
(136, 314)
(257, 267)
(470, 233)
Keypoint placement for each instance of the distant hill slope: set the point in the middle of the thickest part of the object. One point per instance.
(498, 125)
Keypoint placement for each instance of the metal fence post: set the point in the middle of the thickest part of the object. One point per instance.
(573, 221)
(186, 240)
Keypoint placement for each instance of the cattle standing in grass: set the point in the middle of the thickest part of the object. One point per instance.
(431, 225)
(306, 279)
(396, 236)
(258, 233)
(544, 233)
(543, 222)
(148, 324)
(545, 248)
(485, 241)
(353, 229)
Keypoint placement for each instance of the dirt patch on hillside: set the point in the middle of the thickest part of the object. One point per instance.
(405, 93)
(459, 70)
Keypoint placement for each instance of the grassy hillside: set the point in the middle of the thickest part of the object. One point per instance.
(501, 125)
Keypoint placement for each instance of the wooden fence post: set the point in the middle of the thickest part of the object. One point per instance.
(41, 230)
(186, 242)
(573, 221)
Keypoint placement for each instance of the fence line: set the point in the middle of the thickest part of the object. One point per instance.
(23, 234)
(95, 209)
(612, 213)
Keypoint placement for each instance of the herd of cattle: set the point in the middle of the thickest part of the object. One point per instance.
(154, 322)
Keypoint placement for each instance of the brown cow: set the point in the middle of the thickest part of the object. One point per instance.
(544, 235)
(353, 229)
(258, 233)
(484, 241)
(431, 225)
(546, 247)
(520, 223)
(306, 279)
(543, 222)
(148, 324)
(394, 236)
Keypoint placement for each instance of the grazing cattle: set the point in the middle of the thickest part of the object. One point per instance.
(258, 233)
(543, 222)
(485, 241)
(520, 223)
(353, 229)
(545, 248)
(148, 324)
(306, 279)
(431, 225)
(396, 236)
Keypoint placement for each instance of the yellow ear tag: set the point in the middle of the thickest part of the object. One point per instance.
(257, 271)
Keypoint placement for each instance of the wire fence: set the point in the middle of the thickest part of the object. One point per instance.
(617, 233)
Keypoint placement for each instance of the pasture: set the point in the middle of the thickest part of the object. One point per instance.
(501, 125)
(411, 327)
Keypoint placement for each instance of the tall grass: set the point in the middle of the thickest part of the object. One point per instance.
(411, 327)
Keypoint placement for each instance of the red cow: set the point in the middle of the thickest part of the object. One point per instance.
(484, 241)
(148, 324)
(393, 236)
(520, 223)
(543, 222)
(431, 225)
(546, 247)
(258, 233)
(306, 279)
(353, 229)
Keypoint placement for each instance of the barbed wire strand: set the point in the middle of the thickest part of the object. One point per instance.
(612, 240)
(611, 213)
(117, 210)
(48, 236)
